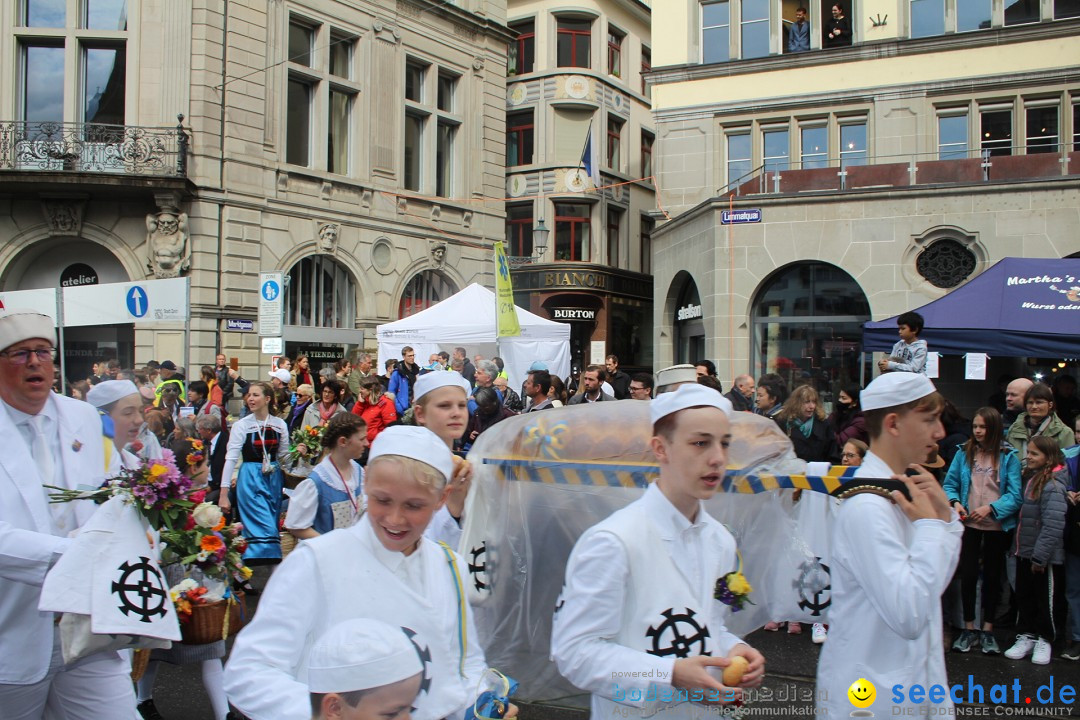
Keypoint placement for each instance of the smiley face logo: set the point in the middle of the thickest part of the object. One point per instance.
(862, 693)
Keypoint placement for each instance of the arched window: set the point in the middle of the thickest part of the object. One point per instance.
(807, 326)
(320, 293)
(423, 291)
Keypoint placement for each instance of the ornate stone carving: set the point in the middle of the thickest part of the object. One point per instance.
(438, 254)
(328, 237)
(167, 240)
(63, 215)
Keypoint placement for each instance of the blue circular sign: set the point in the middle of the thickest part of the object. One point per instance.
(137, 302)
(270, 290)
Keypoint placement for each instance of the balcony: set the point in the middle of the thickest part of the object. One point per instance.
(55, 150)
(888, 173)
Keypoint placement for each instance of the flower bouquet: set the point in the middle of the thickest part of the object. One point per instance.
(157, 489)
(305, 451)
(734, 589)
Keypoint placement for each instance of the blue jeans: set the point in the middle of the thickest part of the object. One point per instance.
(1072, 593)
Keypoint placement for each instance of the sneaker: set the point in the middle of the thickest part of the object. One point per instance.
(1021, 648)
(1041, 654)
(989, 643)
(794, 628)
(965, 641)
(818, 633)
(1072, 652)
(772, 626)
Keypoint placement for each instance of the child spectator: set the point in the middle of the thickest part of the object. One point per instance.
(909, 352)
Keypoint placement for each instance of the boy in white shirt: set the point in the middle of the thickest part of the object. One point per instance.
(892, 558)
(637, 624)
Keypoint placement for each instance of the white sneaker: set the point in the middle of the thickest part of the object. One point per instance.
(1041, 655)
(818, 633)
(1024, 644)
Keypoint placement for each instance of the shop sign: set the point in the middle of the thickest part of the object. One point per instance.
(78, 274)
(572, 314)
(689, 312)
(597, 281)
(320, 353)
(735, 217)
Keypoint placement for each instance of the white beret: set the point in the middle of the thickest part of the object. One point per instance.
(18, 324)
(108, 392)
(676, 374)
(361, 654)
(895, 388)
(687, 396)
(418, 443)
(438, 379)
(283, 375)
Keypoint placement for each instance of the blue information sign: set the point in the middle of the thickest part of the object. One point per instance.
(137, 302)
(734, 217)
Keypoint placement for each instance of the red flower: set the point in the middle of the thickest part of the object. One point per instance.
(189, 524)
(197, 497)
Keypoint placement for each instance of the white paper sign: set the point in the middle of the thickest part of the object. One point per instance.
(975, 366)
(932, 364)
(44, 301)
(597, 352)
(144, 302)
(271, 293)
(273, 346)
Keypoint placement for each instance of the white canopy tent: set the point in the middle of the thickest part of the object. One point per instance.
(468, 320)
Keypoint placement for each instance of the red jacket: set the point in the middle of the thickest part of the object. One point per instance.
(377, 416)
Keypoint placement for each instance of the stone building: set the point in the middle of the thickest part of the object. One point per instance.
(350, 145)
(866, 176)
(579, 139)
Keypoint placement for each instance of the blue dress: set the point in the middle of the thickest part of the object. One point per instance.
(328, 497)
(257, 496)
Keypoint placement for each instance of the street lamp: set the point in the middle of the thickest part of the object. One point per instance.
(540, 239)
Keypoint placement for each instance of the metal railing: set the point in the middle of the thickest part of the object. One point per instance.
(94, 148)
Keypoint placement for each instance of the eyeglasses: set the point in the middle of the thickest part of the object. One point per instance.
(21, 357)
(849, 456)
(637, 389)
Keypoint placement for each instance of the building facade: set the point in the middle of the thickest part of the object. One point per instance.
(579, 140)
(866, 176)
(352, 146)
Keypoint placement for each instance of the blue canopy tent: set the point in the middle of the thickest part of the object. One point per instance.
(1020, 307)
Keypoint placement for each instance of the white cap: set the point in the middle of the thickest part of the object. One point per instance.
(437, 379)
(676, 374)
(687, 396)
(361, 654)
(418, 443)
(283, 375)
(108, 392)
(18, 324)
(895, 388)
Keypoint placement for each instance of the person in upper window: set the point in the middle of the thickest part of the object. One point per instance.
(799, 32)
(838, 29)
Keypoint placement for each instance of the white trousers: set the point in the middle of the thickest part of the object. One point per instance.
(98, 686)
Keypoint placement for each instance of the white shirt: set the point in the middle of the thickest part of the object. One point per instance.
(304, 501)
(60, 512)
(888, 575)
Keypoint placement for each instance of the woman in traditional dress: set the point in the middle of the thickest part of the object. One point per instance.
(331, 496)
(256, 440)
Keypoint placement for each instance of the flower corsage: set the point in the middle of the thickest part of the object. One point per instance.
(733, 589)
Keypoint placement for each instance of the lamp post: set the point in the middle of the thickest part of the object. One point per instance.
(540, 239)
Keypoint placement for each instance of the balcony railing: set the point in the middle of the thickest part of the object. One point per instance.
(93, 148)
(887, 172)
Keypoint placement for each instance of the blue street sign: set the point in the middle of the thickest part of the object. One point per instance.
(137, 302)
(270, 290)
(239, 324)
(734, 217)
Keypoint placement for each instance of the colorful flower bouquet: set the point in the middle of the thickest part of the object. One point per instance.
(156, 488)
(204, 542)
(306, 443)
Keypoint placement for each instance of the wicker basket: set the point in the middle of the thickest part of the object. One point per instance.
(140, 659)
(288, 543)
(213, 622)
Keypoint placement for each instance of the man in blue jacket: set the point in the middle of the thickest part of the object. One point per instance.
(403, 380)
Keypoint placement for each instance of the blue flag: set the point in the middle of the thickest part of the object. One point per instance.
(587, 156)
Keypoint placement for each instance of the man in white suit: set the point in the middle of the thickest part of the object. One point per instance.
(49, 440)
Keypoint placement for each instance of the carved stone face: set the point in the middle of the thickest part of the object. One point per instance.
(438, 253)
(168, 224)
(328, 236)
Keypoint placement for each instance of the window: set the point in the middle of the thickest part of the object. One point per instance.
(647, 140)
(414, 81)
(995, 131)
(853, 144)
(646, 67)
(1042, 129)
(754, 28)
(927, 18)
(44, 13)
(1018, 12)
(614, 52)
(43, 101)
(738, 157)
(1066, 9)
(103, 14)
(522, 52)
(1076, 127)
(715, 32)
(519, 230)
(444, 159)
(423, 291)
(614, 235)
(972, 15)
(572, 232)
(320, 293)
(574, 37)
(815, 146)
(431, 106)
(614, 142)
(571, 129)
(952, 135)
(414, 140)
(519, 138)
(447, 88)
(776, 151)
(647, 225)
(320, 96)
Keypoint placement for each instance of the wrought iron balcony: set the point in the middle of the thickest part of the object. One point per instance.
(93, 148)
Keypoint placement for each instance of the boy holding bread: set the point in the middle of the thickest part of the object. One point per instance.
(637, 623)
(893, 554)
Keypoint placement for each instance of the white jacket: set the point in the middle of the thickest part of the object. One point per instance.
(27, 546)
(888, 574)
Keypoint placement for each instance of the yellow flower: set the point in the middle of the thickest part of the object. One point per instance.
(737, 584)
(157, 470)
(246, 572)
